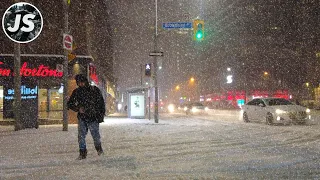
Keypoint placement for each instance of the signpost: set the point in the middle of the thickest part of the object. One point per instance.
(67, 45)
(175, 25)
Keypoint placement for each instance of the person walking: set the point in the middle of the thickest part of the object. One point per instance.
(88, 101)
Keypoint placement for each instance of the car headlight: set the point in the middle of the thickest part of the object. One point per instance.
(308, 110)
(206, 108)
(185, 108)
(194, 109)
(279, 111)
(171, 108)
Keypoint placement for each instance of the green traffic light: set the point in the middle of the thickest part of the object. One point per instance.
(199, 35)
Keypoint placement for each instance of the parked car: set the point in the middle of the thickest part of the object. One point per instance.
(195, 108)
(275, 110)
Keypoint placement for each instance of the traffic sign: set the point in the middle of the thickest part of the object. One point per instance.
(59, 68)
(156, 54)
(71, 56)
(172, 25)
(67, 42)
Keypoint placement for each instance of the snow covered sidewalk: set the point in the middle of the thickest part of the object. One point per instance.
(175, 148)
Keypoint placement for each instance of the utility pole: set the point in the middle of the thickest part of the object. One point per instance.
(18, 125)
(149, 109)
(65, 70)
(141, 73)
(17, 85)
(156, 103)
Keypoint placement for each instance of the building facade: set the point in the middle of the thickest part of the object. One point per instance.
(92, 55)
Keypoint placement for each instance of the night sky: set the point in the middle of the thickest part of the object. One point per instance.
(280, 37)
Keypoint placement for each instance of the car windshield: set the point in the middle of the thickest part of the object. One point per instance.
(277, 102)
(197, 104)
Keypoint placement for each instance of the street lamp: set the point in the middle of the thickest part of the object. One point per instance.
(192, 88)
(177, 87)
(308, 94)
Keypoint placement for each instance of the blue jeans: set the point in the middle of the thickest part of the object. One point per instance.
(83, 127)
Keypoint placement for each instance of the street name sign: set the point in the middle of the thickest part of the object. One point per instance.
(156, 54)
(174, 25)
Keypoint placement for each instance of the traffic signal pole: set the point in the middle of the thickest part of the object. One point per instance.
(156, 101)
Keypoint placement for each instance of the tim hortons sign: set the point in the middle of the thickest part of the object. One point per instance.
(40, 71)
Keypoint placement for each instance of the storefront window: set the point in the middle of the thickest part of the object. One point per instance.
(56, 100)
(50, 104)
(43, 100)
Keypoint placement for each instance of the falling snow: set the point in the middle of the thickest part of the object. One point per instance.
(280, 37)
(251, 37)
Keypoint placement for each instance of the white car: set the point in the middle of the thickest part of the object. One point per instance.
(195, 109)
(275, 110)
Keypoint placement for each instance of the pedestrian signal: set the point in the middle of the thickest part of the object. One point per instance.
(148, 69)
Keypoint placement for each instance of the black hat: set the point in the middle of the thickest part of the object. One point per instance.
(81, 78)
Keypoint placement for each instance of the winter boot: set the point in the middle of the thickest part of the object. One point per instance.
(83, 154)
(99, 150)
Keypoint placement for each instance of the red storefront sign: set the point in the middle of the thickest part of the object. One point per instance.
(40, 71)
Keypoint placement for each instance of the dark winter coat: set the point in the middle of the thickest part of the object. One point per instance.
(91, 99)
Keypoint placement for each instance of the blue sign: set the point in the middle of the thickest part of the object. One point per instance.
(171, 25)
(26, 93)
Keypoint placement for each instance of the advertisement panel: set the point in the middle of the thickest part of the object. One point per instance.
(137, 105)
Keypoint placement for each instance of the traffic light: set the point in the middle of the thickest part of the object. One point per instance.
(147, 69)
(71, 54)
(198, 30)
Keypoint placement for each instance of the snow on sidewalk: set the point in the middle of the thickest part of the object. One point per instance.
(174, 148)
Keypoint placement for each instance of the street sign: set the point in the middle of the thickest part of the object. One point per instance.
(67, 42)
(173, 25)
(156, 54)
(59, 67)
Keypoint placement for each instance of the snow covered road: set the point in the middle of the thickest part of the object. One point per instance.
(178, 147)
